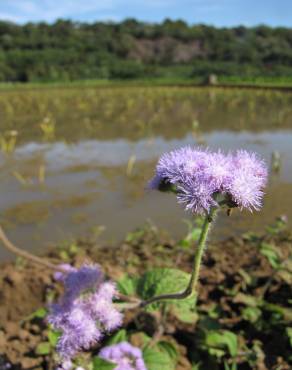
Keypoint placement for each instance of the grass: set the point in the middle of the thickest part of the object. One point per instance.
(261, 81)
(237, 81)
(101, 83)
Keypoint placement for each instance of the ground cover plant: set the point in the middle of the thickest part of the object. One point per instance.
(91, 307)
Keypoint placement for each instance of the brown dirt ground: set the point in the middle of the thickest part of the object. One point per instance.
(25, 287)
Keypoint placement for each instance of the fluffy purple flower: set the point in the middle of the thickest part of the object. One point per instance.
(59, 275)
(155, 182)
(126, 356)
(248, 180)
(85, 311)
(196, 194)
(66, 365)
(249, 161)
(173, 167)
(218, 170)
(199, 176)
(101, 307)
(82, 279)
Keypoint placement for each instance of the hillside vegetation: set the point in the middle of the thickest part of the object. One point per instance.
(66, 51)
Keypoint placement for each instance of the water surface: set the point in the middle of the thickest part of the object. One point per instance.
(83, 157)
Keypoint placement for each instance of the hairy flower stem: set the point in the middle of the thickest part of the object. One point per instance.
(28, 256)
(192, 285)
(209, 218)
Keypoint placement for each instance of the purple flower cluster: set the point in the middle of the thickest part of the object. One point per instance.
(68, 365)
(124, 355)
(199, 174)
(85, 311)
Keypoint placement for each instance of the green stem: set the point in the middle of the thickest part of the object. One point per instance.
(192, 285)
(200, 251)
(28, 256)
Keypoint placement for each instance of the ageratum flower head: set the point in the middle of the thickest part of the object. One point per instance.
(248, 180)
(68, 365)
(198, 176)
(85, 311)
(124, 355)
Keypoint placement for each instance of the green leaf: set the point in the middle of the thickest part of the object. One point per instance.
(208, 323)
(53, 337)
(169, 348)
(167, 280)
(43, 348)
(251, 314)
(184, 243)
(64, 255)
(192, 236)
(185, 310)
(289, 333)
(246, 277)
(270, 252)
(162, 281)
(38, 314)
(120, 336)
(230, 367)
(217, 352)
(156, 360)
(250, 236)
(247, 300)
(101, 364)
(220, 342)
(213, 310)
(285, 271)
(135, 235)
(279, 225)
(128, 285)
(73, 249)
(281, 312)
(142, 338)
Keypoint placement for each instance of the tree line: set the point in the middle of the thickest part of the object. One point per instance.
(66, 50)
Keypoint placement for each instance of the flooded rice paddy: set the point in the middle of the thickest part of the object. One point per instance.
(76, 161)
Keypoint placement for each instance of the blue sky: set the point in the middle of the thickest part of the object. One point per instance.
(216, 12)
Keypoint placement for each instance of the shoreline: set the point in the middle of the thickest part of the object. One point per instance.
(248, 85)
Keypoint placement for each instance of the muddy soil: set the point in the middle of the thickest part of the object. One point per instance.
(234, 271)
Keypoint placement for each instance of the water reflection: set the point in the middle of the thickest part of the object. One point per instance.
(67, 185)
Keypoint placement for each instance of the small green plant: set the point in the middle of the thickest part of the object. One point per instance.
(130, 165)
(278, 226)
(48, 128)
(8, 141)
(193, 233)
